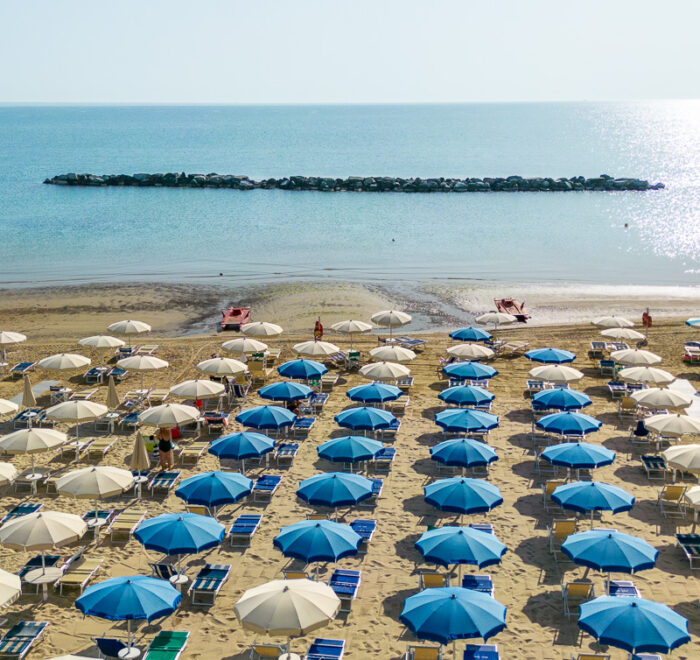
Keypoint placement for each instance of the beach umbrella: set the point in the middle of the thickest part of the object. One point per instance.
(633, 624)
(8, 472)
(169, 415)
(244, 346)
(315, 348)
(10, 588)
(674, 425)
(469, 351)
(470, 370)
(463, 495)
(214, 489)
(140, 461)
(692, 496)
(635, 357)
(384, 371)
(31, 441)
(569, 423)
(101, 342)
(578, 455)
(8, 338)
(198, 389)
(470, 334)
(391, 319)
(261, 329)
(349, 449)
(392, 354)
(113, 400)
(661, 397)
(286, 390)
(96, 481)
(8, 407)
(693, 323)
(610, 551)
(179, 533)
(129, 327)
(495, 318)
(683, 457)
(466, 395)
(334, 489)
(465, 420)
(266, 417)
(142, 363)
(351, 328)
(451, 545)
(550, 355)
(561, 398)
(242, 445)
(63, 361)
(555, 373)
(450, 613)
(585, 496)
(222, 367)
(42, 530)
(28, 398)
(317, 540)
(648, 375)
(376, 392)
(76, 411)
(365, 418)
(612, 322)
(463, 452)
(622, 333)
(302, 369)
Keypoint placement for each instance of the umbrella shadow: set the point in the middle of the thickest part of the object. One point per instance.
(393, 604)
(596, 391)
(427, 467)
(672, 560)
(526, 470)
(429, 413)
(438, 385)
(611, 419)
(689, 375)
(531, 506)
(535, 551)
(522, 440)
(522, 415)
(632, 474)
(619, 444)
(689, 609)
(405, 548)
(429, 439)
(545, 610)
(417, 506)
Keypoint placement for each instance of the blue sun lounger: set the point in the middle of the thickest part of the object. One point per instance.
(482, 583)
(481, 652)
(265, 487)
(117, 373)
(21, 369)
(345, 584)
(482, 527)
(164, 481)
(19, 639)
(109, 647)
(22, 510)
(365, 528)
(208, 582)
(242, 530)
(623, 588)
(391, 430)
(285, 453)
(325, 649)
(377, 485)
(318, 400)
(167, 645)
(383, 459)
(23, 419)
(303, 425)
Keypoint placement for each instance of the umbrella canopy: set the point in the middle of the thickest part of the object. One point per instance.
(622, 333)
(222, 367)
(578, 455)
(561, 398)
(635, 357)
(285, 391)
(649, 375)
(349, 449)
(556, 373)
(392, 354)
(463, 452)
(460, 545)
(198, 389)
(287, 607)
(101, 342)
(612, 322)
(470, 370)
(142, 363)
(95, 481)
(129, 327)
(7, 338)
(384, 371)
(449, 613)
(633, 624)
(113, 400)
(470, 334)
(569, 423)
(42, 530)
(32, 440)
(266, 417)
(179, 533)
(466, 395)
(244, 346)
(683, 457)
(550, 355)
(214, 488)
(466, 420)
(28, 398)
(8, 472)
(610, 550)
(693, 496)
(129, 598)
(302, 369)
(9, 407)
(376, 392)
(76, 411)
(661, 397)
(63, 361)
(10, 588)
(693, 323)
(261, 329)
(463, 495)
(169, 415)
(391, 318)
(317, 540)
(365, 418)
(674, 425)
(242, 445)
(315, 348)
(351, 327)
(140, 460)
(496, 318)
(584, 496)
(334, 489)
(469, 351)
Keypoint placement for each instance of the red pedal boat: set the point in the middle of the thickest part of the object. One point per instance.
(234, 317)
(512, 307)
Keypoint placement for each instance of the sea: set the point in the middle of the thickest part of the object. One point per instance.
(53, 235)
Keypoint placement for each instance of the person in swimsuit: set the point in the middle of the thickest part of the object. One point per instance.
(165, 449)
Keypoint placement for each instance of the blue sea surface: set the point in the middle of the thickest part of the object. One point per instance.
(52, 234)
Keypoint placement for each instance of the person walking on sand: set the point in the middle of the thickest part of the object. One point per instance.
(165, 449)
(318, 330)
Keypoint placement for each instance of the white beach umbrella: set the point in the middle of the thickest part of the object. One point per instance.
(42, 530)
(496, 318)
(468, 351)
(392, 354)
(555, 373)
(391, 318)
(635, 357)
(169, 415)
(692, 496)
(261, 329)
(384, 371)
(649, 375)
(315, 348)
(8, 407)
(31, 441)
(222, 367)
(28, 398)
(244, 346)
(63, 361)
(129, 327)
(76, 411)
(95, 481)
(612, 322)
(8, 338)
(101, 342)
(673, 424)
(683, 457)
(661, 397)
(351, 327)
(198, 389)
(10, 588)
(142, 363)
(8, 472)
(622, 333)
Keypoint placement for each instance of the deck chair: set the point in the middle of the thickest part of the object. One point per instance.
(646, 656)
(574, 594)
(190, 454)
(404, 384)
(655, 467)
(17, 641)
(365, 529)
(100, 446)
(592, 656)
(242, 530)
(481, 583)
(317, 401)
(285, 453)
(627, 408)
(159, 395)
(294, 574)
(607, 368)
(84, 395)
(109, 647)
(78, 575)
(392, 430)
(200, 509)
(22, 510)
(147, 349)
(415, 652)
(325, 649)
(164, 482)
(302, 425)
(36, 562)
(162, 570)
(265, 487)
(383, 459)
(481, 652)
(21, 369)
(690, 544)
(21, 481)
(548, 487)
(124, 524)
(671, 501)
(371, 501)
(208, 582)
(623, 588)
(558, 533)
(263, 651)
(345, 584)
(167, 645)
(432, 580)
(258, 373)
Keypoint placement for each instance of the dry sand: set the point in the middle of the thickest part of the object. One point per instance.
(527, 581)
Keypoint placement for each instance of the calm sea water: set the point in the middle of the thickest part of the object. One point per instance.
(51, 234)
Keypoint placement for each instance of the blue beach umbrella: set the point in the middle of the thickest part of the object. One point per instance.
(466, 395)
(466, 420)
(302, 369)
(449, 613)
(376, 392)
(463, 495)
(214, 488)
(266, 417)
(242, 445)
(585, 496)
(470, 370)
(285, 391)
(561, 398)
(578, 455)
(693, 323)
(365, 418)
(569, 423)
(550, 355)
(334, 489)
(470, 334)
(349, 449)
(317, 540)
(460, 545)
(610, 550)
(634, 624)
(179, 533)
(463, 452)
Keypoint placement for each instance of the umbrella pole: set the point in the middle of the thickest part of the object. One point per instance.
(243, 466)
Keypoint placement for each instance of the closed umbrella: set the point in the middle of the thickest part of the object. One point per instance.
(101, 342)
(661, 397)
(451, 545)
(214, 489)
(198, 389)
(463, 452)
(569, 424)
(63, 361)
(674, 425)
(466, 395)
(474, 371)
(266, 417)
(469, 351)
(142, 363)
(556, 373)
(391, 319)
(8, 338)
(365, 418)
(648, 375)
(635, 357)
(376, 392)
(683, 457)
(8, 407)
(222, 367)
(76, 411)
(28, 398)
(8, 472)
(315, 348)
(286, 390)
(242, 445)
(96, 481)
(302, 369)
(463, 495)
(550, 355)
(560, 398)
(585, 496)
(10, 588)
(261, 329)
(385, 371)
(113, 400)
(392, 354)
(612, 322)
(140, 460)
(622, 333)
(244, 346)
(466, 420)
(470, 334)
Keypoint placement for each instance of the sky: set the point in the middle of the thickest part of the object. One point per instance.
(356, 51)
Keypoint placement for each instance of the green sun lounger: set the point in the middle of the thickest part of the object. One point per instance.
(167, 645)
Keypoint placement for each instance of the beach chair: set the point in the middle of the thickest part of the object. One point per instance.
(100, 446)
(265, 487)
(574, 594)
(238, 391)
(591, 656)
(433, 580)
(258, 372)
(627, 409)
(617, 389)
(420, 652)
(345, 584)
(109, 647)
(303, 425)
(328, 381)
(623, 588)
(481, 652)
(325, 649)
(190, 454)
(242, 530)
(690, 544)
(671, 501)
(118, 374)
(49, 561)
(607, 368)
(548, 487)
(646, 656)
(558, 533)
(391, 431)
(285, 453)
(78, 447)
(481, 583)
(95, 375)
(164, 482)
(130, 422)
(215, 421)
(22, 481)
(405, 384)
(59, 393)
(353, 360)
(317, 401)
(208, 582)
(147, 349)
(21, 369)
(482, 527)
(167, 645)
(201, 510)
(124, 524)
(26, 417)
(264, 651)
(98, 518)
(398, 407)
(78, 575)
(22, 510)
(655, 467)
(294, 574)
(84, 395)
(514, 348)
(383, 459)
(17, 641)
(371, 501)
(365, 528)
(162, 569)
(158, 396)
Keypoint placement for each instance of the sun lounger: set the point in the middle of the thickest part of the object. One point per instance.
(481, 652)
(238, 391)
(591, 656)
(482, 583)
(671, 501)
(433, 580)
(328, 381)
(27, 418)
(167, 645)
(345, 584)
(416, 345)
(690, 544)
(264, 651)
(655, 467)
(147, 349)
(22, 510)
(17, 641)
(392, 430)
(302, 425)
(535, 386)
(164, 482)
(514, 348)
(265, 487)
(317, 401)
(558, 533)
(162, 569)
(242, 530)
(482, 527)
(50, 481)
(285, 453)
(78, 447)
(78, 575)
(404, 384)
(353, 360)
(548, 487)
(118, 374)
(21, 369)
(95, 375)
(49, 561)
(294, 574)
(383, 459)
(58, 393)
(398, 407)
(415, 652)
(646, 656)
(98, 518)
(325, 649)
(190, 454)
(130, 422)
(22, 482)
(574, 594)
(124, 524)
(100, 446)
(109, 647)
(258, 373)
(617, 389)
(608, 368)
(365, 528)
(158, 396)
(377, 485)
(215, 421)
(623, 588)
(208, 582)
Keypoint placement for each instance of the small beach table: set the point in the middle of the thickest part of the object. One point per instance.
(179, 580)
(43, 576)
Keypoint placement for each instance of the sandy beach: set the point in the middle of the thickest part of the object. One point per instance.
(528, 579)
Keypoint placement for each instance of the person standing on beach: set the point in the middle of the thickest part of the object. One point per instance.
(318, 330)
(165, 449)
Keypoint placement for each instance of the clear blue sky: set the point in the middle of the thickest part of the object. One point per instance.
(354, 51)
